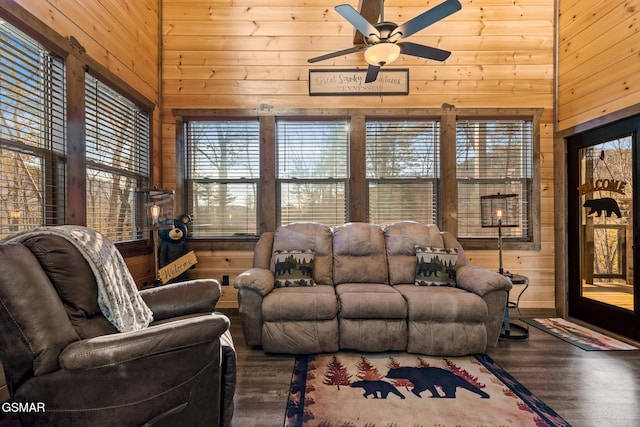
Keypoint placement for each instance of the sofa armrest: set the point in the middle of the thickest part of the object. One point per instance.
(114, 349)
(182, 298)
(481, 281)
(260, 280)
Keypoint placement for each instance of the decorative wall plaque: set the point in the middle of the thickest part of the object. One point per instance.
(351, 82)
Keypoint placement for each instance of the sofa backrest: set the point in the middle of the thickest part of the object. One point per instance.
(304, 236)
(401, 239)
(359, 254)
(74, 282)
(34, 326)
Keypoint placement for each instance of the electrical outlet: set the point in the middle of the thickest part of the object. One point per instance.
(225, 280)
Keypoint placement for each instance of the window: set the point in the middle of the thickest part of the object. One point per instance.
(493, 156)
(32, 133)
(312, 170)
(365, 165)
(117, 147)
(403, 164)
(223, 174)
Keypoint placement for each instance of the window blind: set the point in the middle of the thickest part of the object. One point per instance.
(32, 133)
(224, 170)
(493, 156)
(117, 150)
(403, 159)
(312, 170)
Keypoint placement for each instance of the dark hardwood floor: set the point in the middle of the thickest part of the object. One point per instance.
(587, 388)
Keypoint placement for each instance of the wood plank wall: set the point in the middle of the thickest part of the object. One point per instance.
(252, 53)
(120, 35)
(249, 54)
(598, 82)
(598, 59)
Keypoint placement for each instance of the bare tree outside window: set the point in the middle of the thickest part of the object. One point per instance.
(312, 168)
(493, 156)
(612, 161)
(403, 170)
(224, 171)
(32, 132)
(117, 146)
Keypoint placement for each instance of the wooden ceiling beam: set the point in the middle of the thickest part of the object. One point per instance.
(370, 10)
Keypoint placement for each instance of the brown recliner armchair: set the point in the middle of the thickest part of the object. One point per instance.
(67, 365)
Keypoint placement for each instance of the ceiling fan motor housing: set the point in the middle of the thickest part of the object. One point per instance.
(386, 30)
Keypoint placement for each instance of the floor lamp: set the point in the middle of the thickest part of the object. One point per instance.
(499, 211)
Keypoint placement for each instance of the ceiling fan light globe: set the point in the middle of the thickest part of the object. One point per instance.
(382, 53)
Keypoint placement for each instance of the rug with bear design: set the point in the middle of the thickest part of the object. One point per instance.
(350, 389)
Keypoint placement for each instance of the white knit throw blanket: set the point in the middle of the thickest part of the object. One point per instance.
(118, 296)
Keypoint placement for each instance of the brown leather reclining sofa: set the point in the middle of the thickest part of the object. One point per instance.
(365, 295)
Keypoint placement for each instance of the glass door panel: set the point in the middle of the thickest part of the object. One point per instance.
(606, 222)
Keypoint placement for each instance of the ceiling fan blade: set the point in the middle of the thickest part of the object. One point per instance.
(427, 18)
(372, 73)
(414, 49)
(350, 14)
(337, 53)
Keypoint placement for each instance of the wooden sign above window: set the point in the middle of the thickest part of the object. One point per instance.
(351, 82)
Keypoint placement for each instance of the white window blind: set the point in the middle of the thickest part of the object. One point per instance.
(402, 170)
(224, 171)
(117, 150)
(312, 169)
(493, 156)
(32, 133)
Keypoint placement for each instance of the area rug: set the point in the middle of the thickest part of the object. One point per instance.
(578, 335)
(407, 390)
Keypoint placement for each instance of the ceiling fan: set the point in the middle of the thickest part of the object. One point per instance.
(381, 39)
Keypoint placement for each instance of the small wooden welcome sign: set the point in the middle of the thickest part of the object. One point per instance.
(177, 267)
(351, 82)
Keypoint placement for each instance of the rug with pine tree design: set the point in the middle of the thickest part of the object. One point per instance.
(398, 389)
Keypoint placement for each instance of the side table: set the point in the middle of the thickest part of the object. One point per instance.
(508, 327)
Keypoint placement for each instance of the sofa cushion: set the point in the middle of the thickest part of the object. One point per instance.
(74, 281)
(373, 334)
(442, 304)
(300, 337)
(359, 254)
(435, 266)
(300, 303)
(304, 236)
(370, 301)
(293, 268)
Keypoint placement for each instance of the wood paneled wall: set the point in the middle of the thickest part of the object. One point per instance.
(252, 54)
(598, 59)
(598, 82)
(120, 35)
